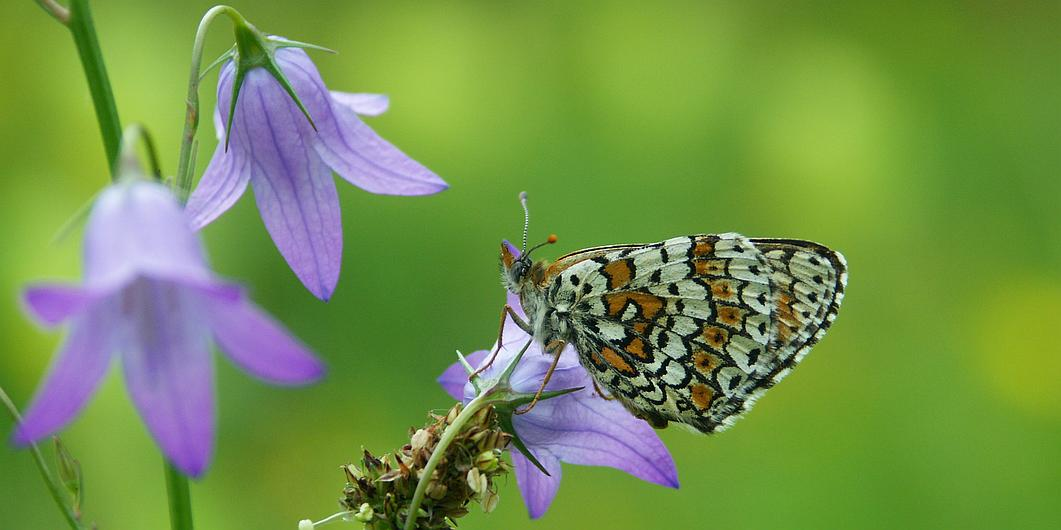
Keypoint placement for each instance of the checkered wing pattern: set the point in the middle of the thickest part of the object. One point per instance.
(694, 328)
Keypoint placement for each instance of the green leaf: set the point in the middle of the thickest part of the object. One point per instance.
(504, 417)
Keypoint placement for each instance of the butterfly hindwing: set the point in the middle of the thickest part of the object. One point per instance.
(676, 328)
(692, 329)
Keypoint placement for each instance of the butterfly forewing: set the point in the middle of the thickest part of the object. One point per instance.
(690, 329)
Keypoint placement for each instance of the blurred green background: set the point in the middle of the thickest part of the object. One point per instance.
(922, 140)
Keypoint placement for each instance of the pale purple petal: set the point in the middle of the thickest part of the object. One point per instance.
(363, 104)
(137, 228)
(537, 488)
(294, 190)
(74, 375)
(52, 304)
(169, 371)
(260, 345)
(586, 429)
(349, 146)
(222, 184)
(454, 379)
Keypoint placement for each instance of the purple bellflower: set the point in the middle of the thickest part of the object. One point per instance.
(149, 297)
(286, 148)
(578, 428)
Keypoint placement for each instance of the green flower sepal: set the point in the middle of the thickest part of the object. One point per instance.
(256, 49)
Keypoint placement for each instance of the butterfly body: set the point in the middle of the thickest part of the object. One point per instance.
(692, 329)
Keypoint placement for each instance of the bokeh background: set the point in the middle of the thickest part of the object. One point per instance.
(921, 139)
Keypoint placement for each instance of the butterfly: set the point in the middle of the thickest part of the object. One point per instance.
(691, 330)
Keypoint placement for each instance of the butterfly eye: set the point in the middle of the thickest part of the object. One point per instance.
(519, 269)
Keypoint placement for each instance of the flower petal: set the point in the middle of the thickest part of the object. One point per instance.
(455, 378)
(294, 190)
(588, 430)
(52, 304)
(138, 228)
(349, 146)
(260, 345)
(537, 488)
(363, 104)
(222, 184)
(226, 177)
(76, 372)
(169, 370)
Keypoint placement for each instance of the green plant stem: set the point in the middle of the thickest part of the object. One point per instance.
(180, 502)
(42, 466)
(473, 406)
(191, 116)
(84, 33)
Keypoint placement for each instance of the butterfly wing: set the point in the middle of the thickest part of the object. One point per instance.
(686, 329)
(809, 281)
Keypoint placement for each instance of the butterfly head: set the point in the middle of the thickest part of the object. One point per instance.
(516, 264)
(517, 267)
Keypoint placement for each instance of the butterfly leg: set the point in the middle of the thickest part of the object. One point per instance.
(600, 392)
(555, 348)
(506, 312)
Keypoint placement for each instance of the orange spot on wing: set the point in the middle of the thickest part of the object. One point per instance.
(640, 327)
(705, 362)
(723, 289)
(597, 361)
(702, 395)
(637, 349)
(786, 317)
(619, 273)
(709, 267)
(647, 303)
(715, 337)
(703, 247)
(617, 361)
(730, 315)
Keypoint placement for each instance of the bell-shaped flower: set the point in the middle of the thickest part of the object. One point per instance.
(577, 428)
(149, 297)
(286, 133)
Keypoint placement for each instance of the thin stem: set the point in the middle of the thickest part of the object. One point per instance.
(451, 432)
(191, 117)
(84, 33)
(42, 466)
(333, 517)
(128, 158)
(180, 502)
(57, 11)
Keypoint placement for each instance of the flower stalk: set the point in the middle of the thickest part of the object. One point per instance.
(54, 489)
(84, 33)
(180, 502)
(185, 162)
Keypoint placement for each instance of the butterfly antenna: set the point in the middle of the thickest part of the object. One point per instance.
(526, 219)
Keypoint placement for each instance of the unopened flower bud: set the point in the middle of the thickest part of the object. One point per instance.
(477, 481)
(420, 440)
(490, 499)
(486, 461)
(364, 513)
